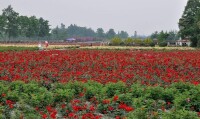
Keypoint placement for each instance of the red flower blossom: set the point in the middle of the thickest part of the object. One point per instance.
(3, 95)
(44, 116)
(115, 98)
(106, 101)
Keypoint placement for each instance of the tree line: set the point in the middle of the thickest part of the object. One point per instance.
(165, 36)
(12, 25)
(62, 32)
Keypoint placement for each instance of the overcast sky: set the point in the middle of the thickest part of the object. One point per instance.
(143, 16)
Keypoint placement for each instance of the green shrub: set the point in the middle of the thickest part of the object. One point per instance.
(61, 95)
(137, 90)
(154, 93)
(128, 41)
(78, 87)
(182, 87)
(169, 94)
(139, 113)
(180, 114)
(93, 89)
(126, 98)
(112, 89)
(152, 44)
(163, 44)
(116, 41)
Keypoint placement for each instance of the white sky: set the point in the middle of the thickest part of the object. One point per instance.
(143, 16)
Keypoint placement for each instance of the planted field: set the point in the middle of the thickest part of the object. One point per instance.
(146, 67)
(100, 84)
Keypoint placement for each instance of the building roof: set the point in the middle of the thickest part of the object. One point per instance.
(71, 39)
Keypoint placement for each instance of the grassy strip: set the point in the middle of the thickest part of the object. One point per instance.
(180, 100)
(15, 48)
(138, 48)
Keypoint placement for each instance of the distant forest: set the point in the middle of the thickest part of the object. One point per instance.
(14, 27)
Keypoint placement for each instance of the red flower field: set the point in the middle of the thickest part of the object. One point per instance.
(146, 67)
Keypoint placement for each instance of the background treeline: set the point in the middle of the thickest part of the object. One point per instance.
(156, 38)
(61, 32)
(14, 27)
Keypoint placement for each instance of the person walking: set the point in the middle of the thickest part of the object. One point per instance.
(46, 44)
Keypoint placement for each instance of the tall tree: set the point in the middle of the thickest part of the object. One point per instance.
(188, 24)
(11, 16)
(23, 22)
(33, 29)
(100, 33)
(123, 34)
(43, 27)
(110, 34)
(172, 35)
(154, 35)
(2, 25)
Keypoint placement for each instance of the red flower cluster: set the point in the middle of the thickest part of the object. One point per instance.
(106, 101)
(125, 107)
(10, 103)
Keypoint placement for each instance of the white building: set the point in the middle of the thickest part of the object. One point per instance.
(183, 42)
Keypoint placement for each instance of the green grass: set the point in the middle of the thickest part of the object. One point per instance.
(14, 48)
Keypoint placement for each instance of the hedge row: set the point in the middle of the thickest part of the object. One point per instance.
(113, 100)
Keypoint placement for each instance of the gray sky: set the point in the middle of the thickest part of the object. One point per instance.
(143, 16)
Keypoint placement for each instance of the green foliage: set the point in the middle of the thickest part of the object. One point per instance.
(148, 41)
(122, 34)
(128, 41)
(198, 44)
(180, 114)
(179, 100)
(12, 25)
(169, 94)
(63, 95)
(162, 44)
(162, 36)
(137, 90)
(77, 86)
(152, 44)
(100, 33)
(11, 21)
(154, 93)
(116, 41)
(126, 98)
(137, 41)
(189, 22)
(111, 34)
(14, 48)
(140, 113)
(112, 89)
(182, 87)
(92, 89)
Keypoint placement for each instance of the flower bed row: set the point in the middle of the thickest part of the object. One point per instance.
(146, 67)
(93, 100)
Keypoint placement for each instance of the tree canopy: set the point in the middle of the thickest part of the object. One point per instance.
(189, 23)
(13, 25)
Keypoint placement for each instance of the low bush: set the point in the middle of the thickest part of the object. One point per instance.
(112, 100)
(163, 44)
